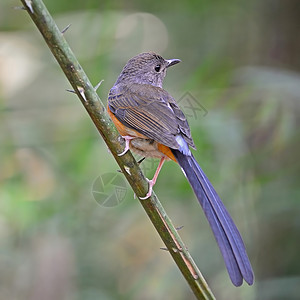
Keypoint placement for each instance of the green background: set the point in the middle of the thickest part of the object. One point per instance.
(65, 234)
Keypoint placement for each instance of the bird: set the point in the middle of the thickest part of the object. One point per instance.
(153, 125)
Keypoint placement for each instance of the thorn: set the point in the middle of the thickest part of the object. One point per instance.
(163, 248)
(98, 85)
(65, 29)
(127, 169)
(20, 8)
(71, 91)
(179, 228)
(141, 160)
(29, 5)
(81, 91)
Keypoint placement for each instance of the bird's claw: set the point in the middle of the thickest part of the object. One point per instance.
(151, 184)
(127, 141)
(125, 150)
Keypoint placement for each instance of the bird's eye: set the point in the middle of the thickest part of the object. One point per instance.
(157, 68)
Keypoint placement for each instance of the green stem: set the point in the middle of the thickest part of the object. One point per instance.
(97, 111)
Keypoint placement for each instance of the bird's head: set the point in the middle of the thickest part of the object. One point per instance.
(146, 68)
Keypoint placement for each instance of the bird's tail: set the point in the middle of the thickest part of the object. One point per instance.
(227, 235)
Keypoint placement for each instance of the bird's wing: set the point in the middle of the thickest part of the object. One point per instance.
(151, 111)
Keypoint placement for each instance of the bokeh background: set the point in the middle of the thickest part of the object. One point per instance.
(70, 227)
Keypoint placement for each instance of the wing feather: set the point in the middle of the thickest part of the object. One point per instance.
(151, 111)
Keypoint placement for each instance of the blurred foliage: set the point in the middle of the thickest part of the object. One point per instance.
(240, 63)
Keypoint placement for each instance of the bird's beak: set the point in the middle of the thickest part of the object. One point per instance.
(172, 62)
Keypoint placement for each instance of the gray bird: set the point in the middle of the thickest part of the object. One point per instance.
(152, 124)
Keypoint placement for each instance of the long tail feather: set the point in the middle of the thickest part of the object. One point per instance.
(227, 235)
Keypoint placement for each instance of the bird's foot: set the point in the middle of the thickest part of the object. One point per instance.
(151, 184)
(127, 139)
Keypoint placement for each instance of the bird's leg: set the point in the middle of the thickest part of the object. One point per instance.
(127, 139)
(153, 180)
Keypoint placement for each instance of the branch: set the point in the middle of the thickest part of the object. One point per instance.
(97, 111)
